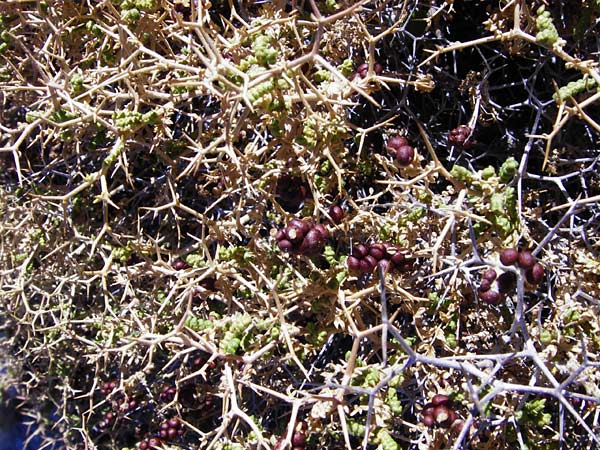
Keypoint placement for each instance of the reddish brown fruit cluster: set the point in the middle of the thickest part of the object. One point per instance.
(365, 258)
(438, 412)
(167, 394)
(171, 429)
(108, 420)
(303, 237)
(180, 264)
(399, 149)
(151, 443)
(363, 70)
(107, 387)
(534, 271)
(298, 438)
(129, 404)
(336, 213)
(460, 136)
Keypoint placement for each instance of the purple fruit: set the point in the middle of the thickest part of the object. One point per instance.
(509, 256)
(525, 259)
(377, 252)
(298, 439)
(285, 245)
(360, 251)
(490, 297)
(394, 143)
(535, 274)
(336, 214)
(439, 399)
(372, 262)
(398, 258)
(489, 275)
(404, 155)
(294, 234)
(323, 233)
(484, 286)
(301, 225)
(353, 263)
(428, 420)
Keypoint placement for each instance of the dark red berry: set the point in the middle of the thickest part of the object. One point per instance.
(490, 297)
(404, 155)
(174, 422)
(377, 68)
(285, 245)
(394, 143)
(336, 214)
(372, 261)
(363, 70)
(398, 258)
(299, 439)
(525, 259)
(311, 242)
(377, 252)
(458, 425)
(353, 263)
(489, 275)
(294, 234)
(484, 286)
(323, 233)
(440, 399)
(144, 445)
(459, 136)
(302, 225)
(172, 433)
(360, 251)
(535, 274)
(179, 264)
(509, 256)
(428, 420)
(365, 266)
(154, 443)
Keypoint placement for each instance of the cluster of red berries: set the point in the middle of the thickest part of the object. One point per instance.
(493, 287)
(460, 136)
(298, 438)
(534, 271)
(129, 404)
(150, 443)
(365, 258)
(167, 394)
(172, 428)
(363, 70)
(107, 387)
(107, 421)
(438, 412)
(303, 237)
(180, 264)
(399, 149)
(336, 214)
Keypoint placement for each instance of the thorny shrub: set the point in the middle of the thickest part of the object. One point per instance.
(153, 152)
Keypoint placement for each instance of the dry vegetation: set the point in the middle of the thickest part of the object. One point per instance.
(153, 150)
